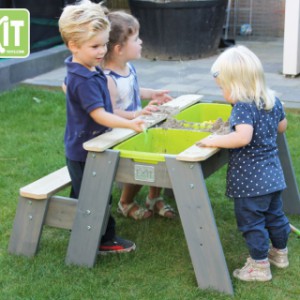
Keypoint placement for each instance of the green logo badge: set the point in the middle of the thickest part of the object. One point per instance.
(14, 33)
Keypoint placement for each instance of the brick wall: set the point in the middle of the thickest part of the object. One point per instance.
(267, 17)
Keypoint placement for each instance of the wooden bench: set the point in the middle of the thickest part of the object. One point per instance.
(38, 206)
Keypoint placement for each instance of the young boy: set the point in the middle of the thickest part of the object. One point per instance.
(85, 30)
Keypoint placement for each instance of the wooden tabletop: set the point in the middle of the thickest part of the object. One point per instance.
(196, 153)
(118, 135)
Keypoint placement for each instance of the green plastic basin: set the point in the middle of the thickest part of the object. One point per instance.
(205, 112)
(152, 146)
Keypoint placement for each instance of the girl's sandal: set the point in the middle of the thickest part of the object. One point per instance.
(166, 211)
(138, 214)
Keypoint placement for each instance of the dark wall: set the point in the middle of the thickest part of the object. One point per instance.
(44, 17)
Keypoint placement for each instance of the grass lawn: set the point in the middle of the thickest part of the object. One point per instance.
(32, 128)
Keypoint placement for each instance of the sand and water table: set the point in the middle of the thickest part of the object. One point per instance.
(167, 158)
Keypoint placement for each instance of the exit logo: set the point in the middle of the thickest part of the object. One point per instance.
(14, 33)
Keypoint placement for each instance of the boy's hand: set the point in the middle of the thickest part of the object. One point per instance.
(137, 125)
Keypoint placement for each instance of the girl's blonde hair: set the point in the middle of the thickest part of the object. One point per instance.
(123, 25)
(82, 21)
(239, 72)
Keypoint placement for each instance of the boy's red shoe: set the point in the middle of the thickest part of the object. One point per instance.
(117, 245)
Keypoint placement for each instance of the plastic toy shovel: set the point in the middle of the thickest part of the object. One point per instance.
(295, 230)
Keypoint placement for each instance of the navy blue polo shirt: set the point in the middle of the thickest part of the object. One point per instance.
(86, 91)
(255, 169)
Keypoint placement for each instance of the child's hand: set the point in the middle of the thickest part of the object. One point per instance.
(64, 87)
(137, 125)
(149, 109)
(207, 142)
(160, 97)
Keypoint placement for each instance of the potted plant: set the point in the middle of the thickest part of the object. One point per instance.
(179, 29)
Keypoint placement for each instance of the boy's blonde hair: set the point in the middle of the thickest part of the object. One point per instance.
(239, 72)
(123, 25)
(82, 21)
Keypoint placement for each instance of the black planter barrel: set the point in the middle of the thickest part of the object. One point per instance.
(180, 30)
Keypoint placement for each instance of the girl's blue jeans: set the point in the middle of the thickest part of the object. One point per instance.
(261, 219)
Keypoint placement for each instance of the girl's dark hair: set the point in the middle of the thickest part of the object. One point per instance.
(122, 26)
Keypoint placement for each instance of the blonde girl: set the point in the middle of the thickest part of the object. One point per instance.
(255, 178)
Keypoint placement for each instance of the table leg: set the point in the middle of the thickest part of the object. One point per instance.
(93, 208)
(199, 225)
(291, 197)
(28, 226)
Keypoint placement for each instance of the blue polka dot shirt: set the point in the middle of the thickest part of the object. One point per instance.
(255, 169)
